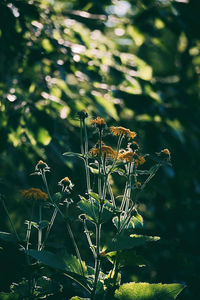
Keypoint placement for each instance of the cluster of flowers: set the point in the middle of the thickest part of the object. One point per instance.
(124, 155)
(128, 155)
(100, 149)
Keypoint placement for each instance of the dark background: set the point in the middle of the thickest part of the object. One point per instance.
(134, 63)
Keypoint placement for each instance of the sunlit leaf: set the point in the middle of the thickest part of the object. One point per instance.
(146, 291)
(122, 242)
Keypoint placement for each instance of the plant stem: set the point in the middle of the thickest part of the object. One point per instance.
(118, 148)
(97, 259)
(81, 127)
(98, 240)
(50, 226)
(86, 231)
(111, 193)
(86, 158)
(75, 246)
(40, 230)
(11, 222)
(66, 220)
(124, 199)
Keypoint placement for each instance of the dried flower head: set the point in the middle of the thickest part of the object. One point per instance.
(66, 184)
(99, 123)
(123, 131)
(41, 167)
(83, 114)
(106, 151)
(166, 151)
(34, 194)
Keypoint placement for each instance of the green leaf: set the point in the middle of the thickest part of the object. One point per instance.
(146, 291)
(10, 296)
(48, 258)
(122, 242)
(68, 264)
(95, 196)
(136, 221)
(94, 170)
(127, 258)
(90, 208)
(43, 136)
(78, 298)
(79, 155)
(8, 237)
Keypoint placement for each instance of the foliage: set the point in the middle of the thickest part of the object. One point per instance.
(138, 63)
(98, 206)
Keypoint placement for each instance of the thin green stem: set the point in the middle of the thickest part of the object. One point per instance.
(119, 142)
(67, 222)
(124, 200)
(86, 157)
(48, 192)
(111, 193)
(10, 220)
(40, 230)
(98, 241)
(129, 187)
(49, 226)
(87, 233)
(75, 246)
(81, 128)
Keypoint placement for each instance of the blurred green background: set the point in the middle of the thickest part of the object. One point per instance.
(135, 63)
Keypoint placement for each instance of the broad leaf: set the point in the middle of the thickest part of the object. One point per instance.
(127, 258)
(122, 242)
(9, 296)
(90, 208)
(8, 237)
(135, 221)
(69, 265)
(78, 298)
(48, 258)
(146, 291)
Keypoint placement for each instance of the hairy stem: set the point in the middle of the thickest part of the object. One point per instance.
(40, 230)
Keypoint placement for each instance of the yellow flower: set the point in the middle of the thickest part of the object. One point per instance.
(126, 156)
(99, 122)
(105, 151)
(122, 131)
(129, 156)
(34, 194)
(140, 160)
(166, 151)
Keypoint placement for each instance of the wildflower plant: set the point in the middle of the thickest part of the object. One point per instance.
(98, 206)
